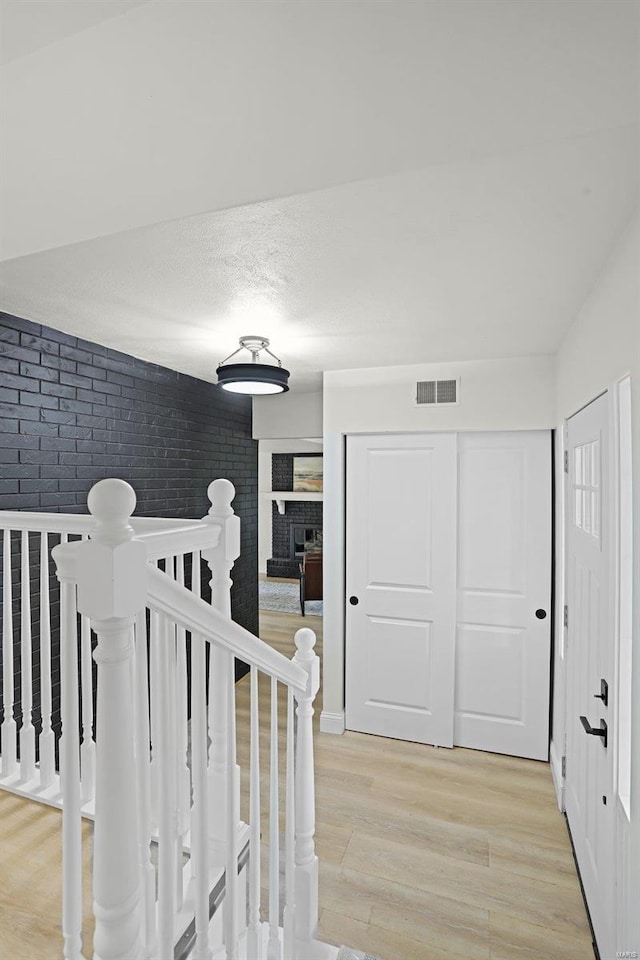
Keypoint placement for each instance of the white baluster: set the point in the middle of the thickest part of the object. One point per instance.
(141, 705)
(161, 661)
(184, 778)
(155, 708)
(220, 560)
(306, 892)
(170, 707)
(289, 928)
(273, 945)
(47, 739)
(27, 731)
(88, 748)
(231, 867)
(199, 810)
(254, 934)
(111, 576)
(70, 756)
(9, 730)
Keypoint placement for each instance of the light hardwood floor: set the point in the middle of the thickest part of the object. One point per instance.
(425, 854)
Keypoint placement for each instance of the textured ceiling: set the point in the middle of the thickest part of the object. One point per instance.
(459, 261)
(366, 183)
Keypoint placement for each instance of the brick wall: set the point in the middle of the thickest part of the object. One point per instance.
(73, 412)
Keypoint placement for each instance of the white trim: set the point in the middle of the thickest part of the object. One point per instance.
(555, 762)
(332, 722)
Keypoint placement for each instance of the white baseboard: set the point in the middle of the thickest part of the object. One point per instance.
(332, 722)
(556, 773)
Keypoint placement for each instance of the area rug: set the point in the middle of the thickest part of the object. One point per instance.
(285, 597)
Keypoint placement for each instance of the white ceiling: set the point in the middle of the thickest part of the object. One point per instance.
(29, 25)
(365, 183)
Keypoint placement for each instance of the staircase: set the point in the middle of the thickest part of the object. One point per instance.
(147, 747)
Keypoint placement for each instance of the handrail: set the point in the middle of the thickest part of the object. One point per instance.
(162, 537)
(171, 543)
(85, 522)
(183, 607)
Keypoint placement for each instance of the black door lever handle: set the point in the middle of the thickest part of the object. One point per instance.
(600, 731)
(604, 693)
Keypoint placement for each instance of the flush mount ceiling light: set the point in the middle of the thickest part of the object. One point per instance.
(253, 378)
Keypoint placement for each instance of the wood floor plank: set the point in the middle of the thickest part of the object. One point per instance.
(511, 939)
(540, 902)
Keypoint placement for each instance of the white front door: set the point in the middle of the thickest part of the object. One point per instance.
(401, 509)
(590, 711)
(427, 513)
(503, 642)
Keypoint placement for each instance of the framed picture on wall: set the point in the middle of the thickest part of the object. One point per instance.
(307, 474)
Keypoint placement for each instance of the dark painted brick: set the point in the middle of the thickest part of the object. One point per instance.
(36, 428)
(38, 456)
(38, 372)
(16, 411)
(58, 390)
(8, 335)
(15, 381)
(33, 342)
(102, 386)
(17, 471)
(90, 373)
(75, 406)
(54, 499)
(19, 501)
(73, 380)
(7, 365)
(59, 337)
(18, 324)
(68, 366)
(39, 486)
(55, 443)
(37, 400)
(14, 352)
(73, 433)
(58, 416)
(72, 353)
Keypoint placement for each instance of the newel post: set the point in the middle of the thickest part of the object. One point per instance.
(306, 870)
(220, 560)
(111, 590)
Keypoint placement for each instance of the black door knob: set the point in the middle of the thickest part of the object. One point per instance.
(540, 613)
(353, 601)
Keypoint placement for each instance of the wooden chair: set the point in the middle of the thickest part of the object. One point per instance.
(310, 578)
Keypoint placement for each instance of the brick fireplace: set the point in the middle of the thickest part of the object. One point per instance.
(302, 520)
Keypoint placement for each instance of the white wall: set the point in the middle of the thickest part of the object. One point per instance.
(509, 394)
(601, 347)
(288, 415)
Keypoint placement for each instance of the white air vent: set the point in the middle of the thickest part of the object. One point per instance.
(437, 392)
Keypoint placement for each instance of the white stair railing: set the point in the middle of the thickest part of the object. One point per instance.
(176, 873)
(32, 705)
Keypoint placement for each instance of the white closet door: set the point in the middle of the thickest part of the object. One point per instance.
(400, 585)
(504, 593)
(426, 513)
